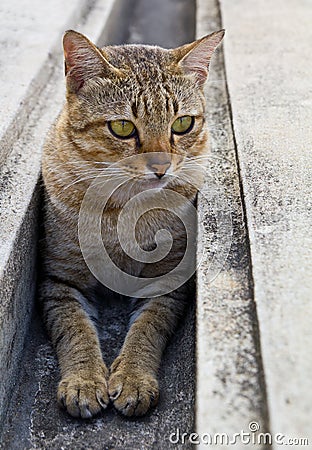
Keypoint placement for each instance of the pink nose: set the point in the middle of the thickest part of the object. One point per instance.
(159, 169)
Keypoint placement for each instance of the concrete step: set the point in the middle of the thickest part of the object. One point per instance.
(30, 47)
(230, 390)
(268, 67)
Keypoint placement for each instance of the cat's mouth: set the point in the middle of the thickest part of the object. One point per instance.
(151, 181)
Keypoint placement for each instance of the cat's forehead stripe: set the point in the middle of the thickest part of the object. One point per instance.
(175, 106)
(134, 110)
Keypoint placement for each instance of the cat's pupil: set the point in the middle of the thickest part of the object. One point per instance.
(182, 124)
(122, 128)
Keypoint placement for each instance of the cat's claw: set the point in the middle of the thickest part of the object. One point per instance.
(114, 395)
(101, 400)
(83, 397)
(133, 393)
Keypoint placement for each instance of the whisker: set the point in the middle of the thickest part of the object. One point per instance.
(94, 176)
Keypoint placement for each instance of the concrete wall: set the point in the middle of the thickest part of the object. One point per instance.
(254, 319)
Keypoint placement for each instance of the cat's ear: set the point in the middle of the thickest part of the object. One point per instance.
(83, 60)
(195, 57)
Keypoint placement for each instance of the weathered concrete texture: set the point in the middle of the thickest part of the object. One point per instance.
(17, 290)
(268, 65)
(150, 27)
(27, 31)
(20, 168)
(230, 388)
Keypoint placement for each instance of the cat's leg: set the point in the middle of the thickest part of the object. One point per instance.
(82, 390)
(133, 385)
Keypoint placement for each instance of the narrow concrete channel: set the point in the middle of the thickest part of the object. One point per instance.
(33, 419)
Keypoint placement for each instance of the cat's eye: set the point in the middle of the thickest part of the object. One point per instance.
(122, 128)
(182, 125)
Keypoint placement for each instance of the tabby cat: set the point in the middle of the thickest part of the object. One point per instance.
(121, 101)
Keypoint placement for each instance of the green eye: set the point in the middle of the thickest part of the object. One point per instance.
(182, 125)
(122, 128)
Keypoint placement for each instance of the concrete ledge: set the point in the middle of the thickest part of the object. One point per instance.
(29, 40)
(253, 321)
(32, 104)
(230, 388)
(18, 284)
(268, 66)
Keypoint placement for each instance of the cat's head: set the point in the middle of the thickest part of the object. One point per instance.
(143, 100)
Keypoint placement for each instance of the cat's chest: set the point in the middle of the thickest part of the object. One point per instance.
(131, 229)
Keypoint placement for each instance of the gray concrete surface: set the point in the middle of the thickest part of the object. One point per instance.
(175, 25)
(268, 67)
(230, 390)
(18, 282)
(29, 38)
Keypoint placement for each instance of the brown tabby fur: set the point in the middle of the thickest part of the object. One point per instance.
(151, 87)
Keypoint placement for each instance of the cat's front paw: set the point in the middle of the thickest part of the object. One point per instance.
(132, 390)
(83, 395)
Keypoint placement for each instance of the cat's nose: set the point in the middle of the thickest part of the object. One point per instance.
(159, 169)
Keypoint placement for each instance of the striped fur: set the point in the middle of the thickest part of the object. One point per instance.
(151, 87)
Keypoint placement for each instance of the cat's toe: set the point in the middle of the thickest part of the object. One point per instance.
(83, 397)
(133, 393)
